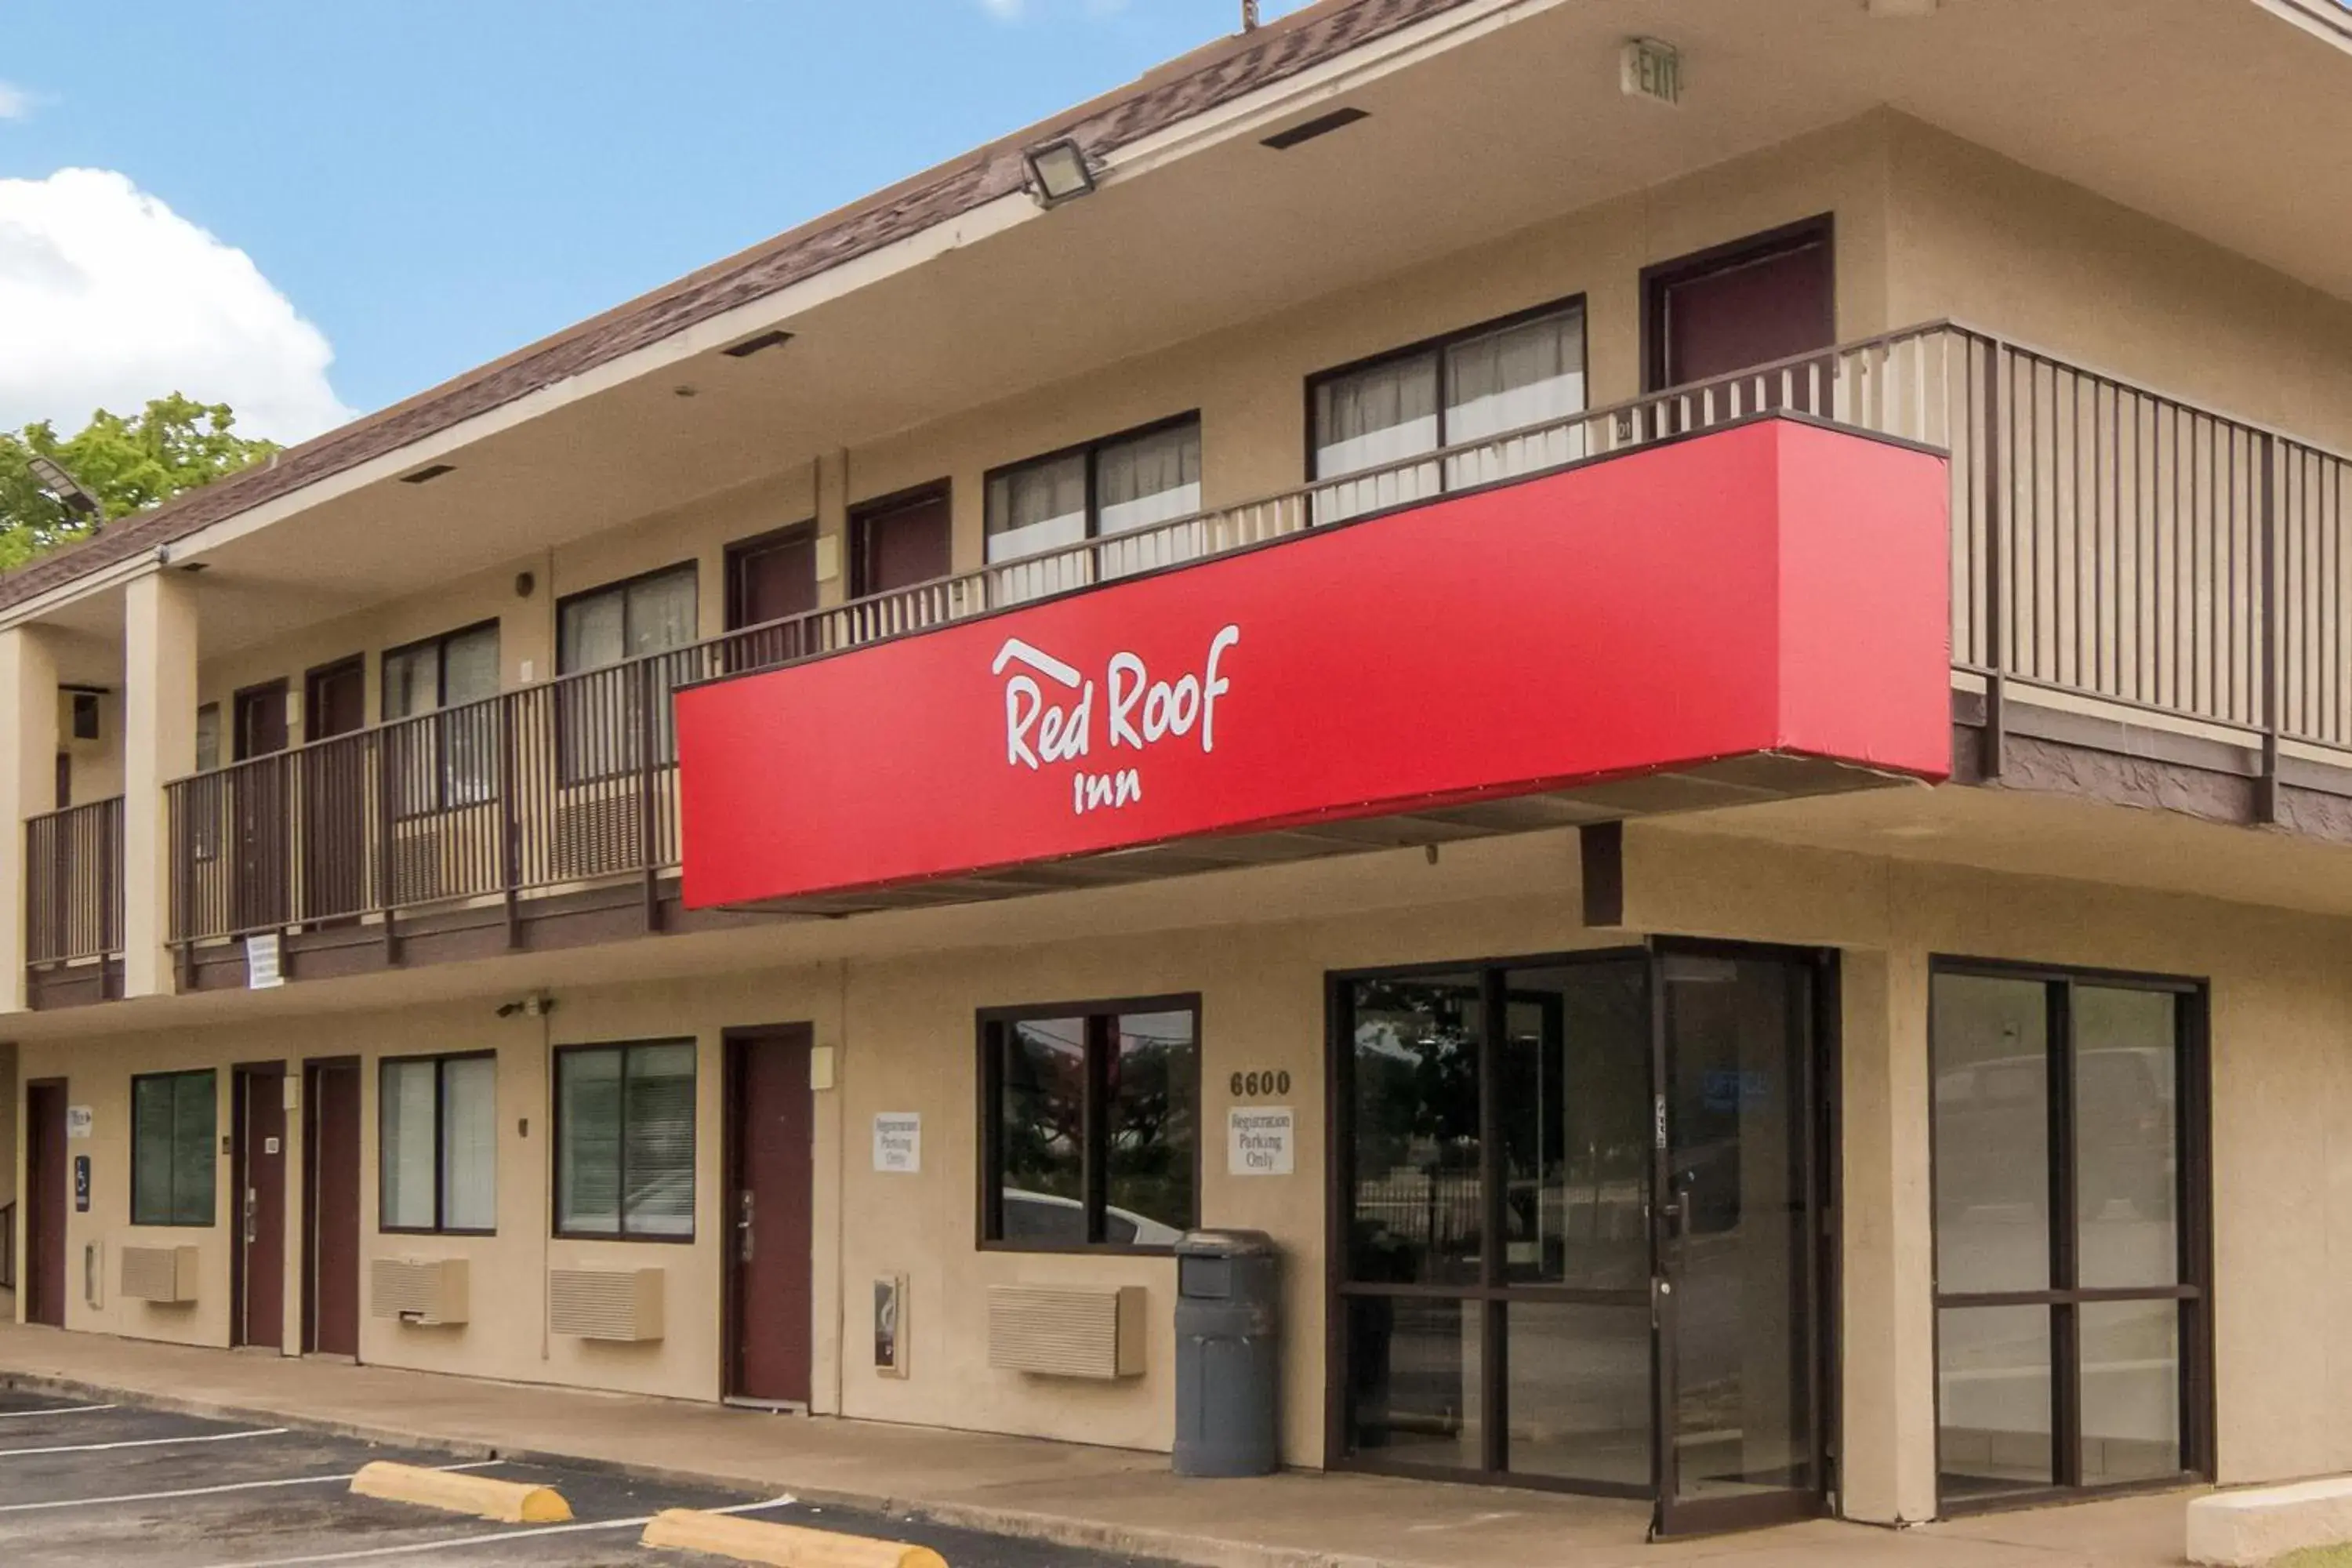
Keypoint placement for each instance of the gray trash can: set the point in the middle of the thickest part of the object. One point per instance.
(1228, 1294)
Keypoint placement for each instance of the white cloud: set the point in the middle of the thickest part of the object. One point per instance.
(16, 103)
(109, 298)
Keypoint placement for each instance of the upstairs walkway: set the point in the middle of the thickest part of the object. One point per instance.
(1101, 1498)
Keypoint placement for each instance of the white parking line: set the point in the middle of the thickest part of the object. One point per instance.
(212, 1491)
(499, 1538)
(142, 1443)
(58, 1410)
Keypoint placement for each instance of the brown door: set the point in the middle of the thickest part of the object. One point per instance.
(330, 1206)
(334, 804)
(770, 580)
(258, 810)
(1760, 300)
(898, 543)
(257, 1305)
(48, 1183)
(771, 1143)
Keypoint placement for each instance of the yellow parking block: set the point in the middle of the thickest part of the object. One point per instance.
(502, 1502)
(781, 1545)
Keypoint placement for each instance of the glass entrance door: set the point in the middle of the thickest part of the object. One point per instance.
(1577, 1238)
(1737, 1148)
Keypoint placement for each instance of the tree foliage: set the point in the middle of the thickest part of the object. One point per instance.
(175, 443)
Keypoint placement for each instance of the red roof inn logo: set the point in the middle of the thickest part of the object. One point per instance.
(1046, 726)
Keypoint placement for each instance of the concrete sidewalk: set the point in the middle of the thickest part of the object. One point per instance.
(1109, 1498)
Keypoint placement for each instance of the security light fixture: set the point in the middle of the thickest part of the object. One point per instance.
(52, 477)
(1307, 130)
(1058, 172)
(428, 473)
(757, 341)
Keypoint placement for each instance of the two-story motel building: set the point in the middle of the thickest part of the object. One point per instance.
(1703, 751)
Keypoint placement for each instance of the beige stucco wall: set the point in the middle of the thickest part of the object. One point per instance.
(2281, 1010)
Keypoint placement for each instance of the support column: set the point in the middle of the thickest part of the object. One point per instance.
(28, 761)
(159, 744)
(1887, 1379)
(829, 482)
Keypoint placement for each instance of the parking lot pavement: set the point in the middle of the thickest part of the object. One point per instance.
(88, 1484)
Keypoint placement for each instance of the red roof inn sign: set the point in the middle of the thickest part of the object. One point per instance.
(1774, 588)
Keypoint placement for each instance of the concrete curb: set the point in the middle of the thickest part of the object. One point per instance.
(779, 1545)
(1187, 1548)
(481, 1496)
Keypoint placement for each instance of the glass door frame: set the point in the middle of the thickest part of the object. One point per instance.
(1814, 1136)
(1821, 1055)
(2192, 1195)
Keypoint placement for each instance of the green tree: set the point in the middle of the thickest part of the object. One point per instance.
(175, 443)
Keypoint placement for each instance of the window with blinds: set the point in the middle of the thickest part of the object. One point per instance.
(438, 1148)
(173, 1119)
(624, 1141)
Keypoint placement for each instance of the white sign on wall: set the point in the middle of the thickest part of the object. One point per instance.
(1261, 1140)
(264, 965)
(899, 1142)
(79, 1119)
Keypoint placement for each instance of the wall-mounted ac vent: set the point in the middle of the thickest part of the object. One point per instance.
(621, 1304)
(1067, 1330)
(164, 1275)
(598, 834)
(426, 1291)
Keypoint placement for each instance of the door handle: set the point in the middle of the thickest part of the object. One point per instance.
(252, 1212)
(743, 1225)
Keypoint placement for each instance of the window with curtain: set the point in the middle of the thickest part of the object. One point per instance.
(606, 719)
(1477, 385)
(1115, 486)
(452, 760)
(438, 1144)
(624, 1141)
(1093, 1134)
(174, 1118)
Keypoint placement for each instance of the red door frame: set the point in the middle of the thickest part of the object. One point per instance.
(47, 1201)
(794, 1228)
(318, 1143)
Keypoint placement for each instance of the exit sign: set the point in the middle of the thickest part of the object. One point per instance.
(1652, 69)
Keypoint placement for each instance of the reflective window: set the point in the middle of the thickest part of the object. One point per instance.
(1093, 1126)
(1420, 1192)
(2062, 1177)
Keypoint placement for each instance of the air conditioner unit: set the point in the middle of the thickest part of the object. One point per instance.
(624, 1305)
(163, 1275)
(600, 834)
(1067, 1330)
(429, 1293)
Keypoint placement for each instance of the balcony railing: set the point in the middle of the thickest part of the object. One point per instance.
(2107, 541)
(73, 884)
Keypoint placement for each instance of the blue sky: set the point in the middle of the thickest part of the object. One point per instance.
(432, 183)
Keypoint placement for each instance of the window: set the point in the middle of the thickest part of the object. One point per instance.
(1093, 1124)
(439, 1145)
(174, 1118)
(1103, 489)
(454, 760)
(624, 1141)
(2071, 1259)
(604, 719)
(208, 737)
(1470, 386)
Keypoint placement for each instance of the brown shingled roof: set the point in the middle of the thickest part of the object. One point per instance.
(1184, 86)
